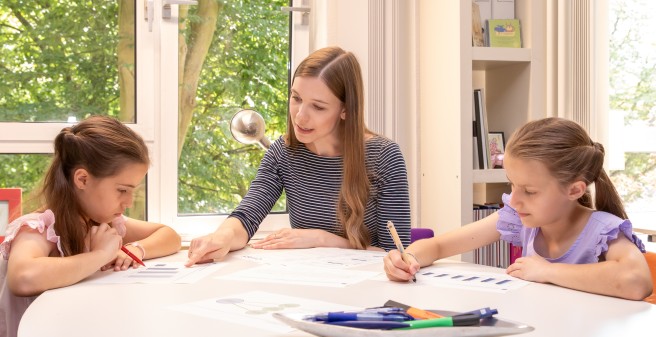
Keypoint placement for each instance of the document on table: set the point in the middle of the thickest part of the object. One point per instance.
(441, 276)
(254, 309)
(317, 257)
(157, 272)
(306, 275)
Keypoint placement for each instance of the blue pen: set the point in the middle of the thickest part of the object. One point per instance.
(483, 312)
(369, 314)
(362, 316)
(380, 325)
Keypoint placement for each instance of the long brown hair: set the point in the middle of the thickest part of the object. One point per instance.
(567, 151)
(101, 145)
(340, 71)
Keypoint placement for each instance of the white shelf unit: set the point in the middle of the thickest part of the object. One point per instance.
(514, 83)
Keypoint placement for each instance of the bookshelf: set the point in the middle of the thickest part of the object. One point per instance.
(514, 83)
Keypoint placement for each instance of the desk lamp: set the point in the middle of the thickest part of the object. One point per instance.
(247, 127)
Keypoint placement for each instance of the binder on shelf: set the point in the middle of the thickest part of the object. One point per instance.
(485, 8)
(480, 122)
(503, 9)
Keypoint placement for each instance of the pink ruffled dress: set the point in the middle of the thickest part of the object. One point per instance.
(12, 307)
(602, 228)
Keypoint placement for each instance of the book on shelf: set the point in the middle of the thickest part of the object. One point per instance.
(485, 13)
(480, 130)
(477, 27)
(504, 33)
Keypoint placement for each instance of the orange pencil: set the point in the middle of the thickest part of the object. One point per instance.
(412, 311)
(134, 257)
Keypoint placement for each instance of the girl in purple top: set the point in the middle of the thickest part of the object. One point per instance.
(567, 239)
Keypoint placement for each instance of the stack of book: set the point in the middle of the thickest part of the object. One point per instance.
(494, 24)
(499, 254)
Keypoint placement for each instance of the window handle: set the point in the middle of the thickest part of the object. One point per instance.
(166, 6)
(149, 13)
(305, 11)
(295, 9)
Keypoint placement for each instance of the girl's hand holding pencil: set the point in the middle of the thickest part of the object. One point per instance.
(399, 265)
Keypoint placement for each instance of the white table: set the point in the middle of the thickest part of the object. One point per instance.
(140, 309)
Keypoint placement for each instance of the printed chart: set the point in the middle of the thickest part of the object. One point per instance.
(254, 309)
(306, 275)
(440, 276)
(315, 257)
(157, 272)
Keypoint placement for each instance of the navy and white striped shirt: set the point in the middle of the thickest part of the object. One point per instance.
(312, 185)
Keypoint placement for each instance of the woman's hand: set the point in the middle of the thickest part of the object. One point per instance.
(400, 268)
(293, 238)
(208, 248)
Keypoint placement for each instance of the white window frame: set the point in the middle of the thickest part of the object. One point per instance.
(164, 207)
(355, 27)
(37, 137)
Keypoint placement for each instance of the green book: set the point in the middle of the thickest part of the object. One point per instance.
(504, 33)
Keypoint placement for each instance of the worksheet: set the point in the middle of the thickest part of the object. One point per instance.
(254, 309)
(317, 257)
(157, 272)
(451, 277)
(306, 275)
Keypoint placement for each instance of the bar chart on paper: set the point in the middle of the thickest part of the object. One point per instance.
(159, 272)
(440, 276)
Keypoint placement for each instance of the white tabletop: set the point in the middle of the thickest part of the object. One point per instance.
(141, 309)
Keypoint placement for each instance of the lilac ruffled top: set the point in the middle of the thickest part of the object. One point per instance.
(12, 307)
(602, 228)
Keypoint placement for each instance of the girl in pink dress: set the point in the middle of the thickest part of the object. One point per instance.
(566, 239)
(80, 229)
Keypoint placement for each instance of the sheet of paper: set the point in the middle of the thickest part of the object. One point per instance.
(450, 277)
(158, 272)
(254, 309)
(315, 257)
(314, 276)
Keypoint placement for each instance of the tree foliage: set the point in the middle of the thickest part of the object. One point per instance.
(76, 58)
(633, 89)
(246, 67)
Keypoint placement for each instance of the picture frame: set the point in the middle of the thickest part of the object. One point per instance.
(496, 148)
(10, 207)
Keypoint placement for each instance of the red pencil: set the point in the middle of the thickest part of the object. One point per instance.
(134, 257)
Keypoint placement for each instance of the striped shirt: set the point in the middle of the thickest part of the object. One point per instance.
(312, 185)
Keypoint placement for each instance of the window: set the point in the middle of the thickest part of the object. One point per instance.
(632, 91)
(227, 56)
(243, 47)
(61, 62)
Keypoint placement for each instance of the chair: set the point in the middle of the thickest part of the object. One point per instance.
(11, 208)
(651, 261)
(420, 233)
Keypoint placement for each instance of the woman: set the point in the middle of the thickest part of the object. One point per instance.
(343, 182)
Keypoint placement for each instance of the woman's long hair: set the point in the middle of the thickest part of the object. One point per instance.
(101, 145)
(567, 151)
(340, 71)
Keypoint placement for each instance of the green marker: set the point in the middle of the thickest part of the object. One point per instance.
(459, 320)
